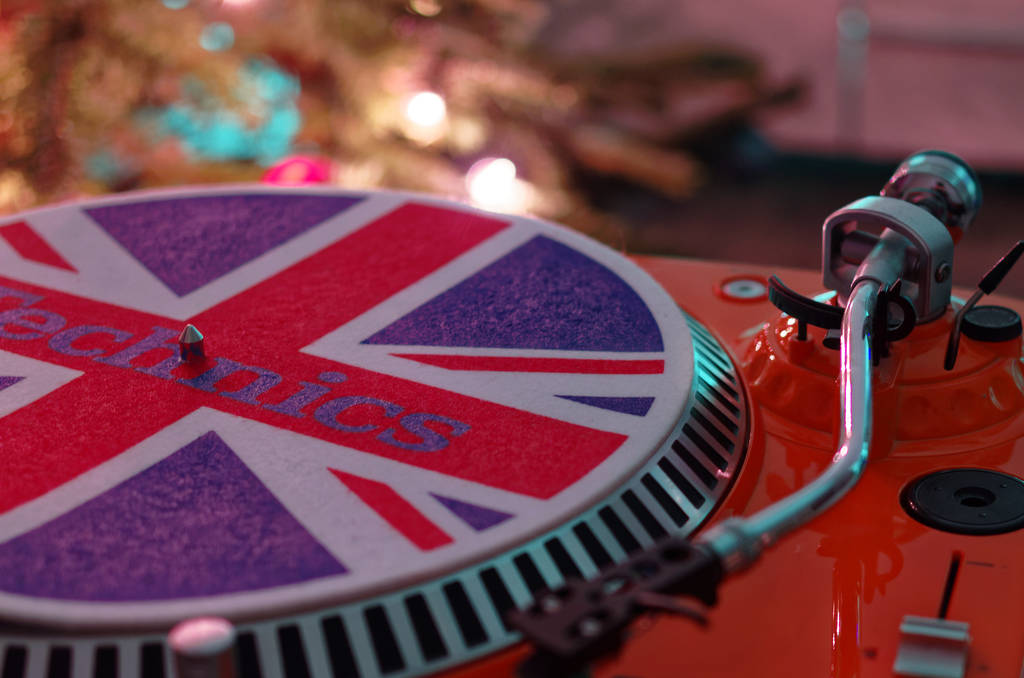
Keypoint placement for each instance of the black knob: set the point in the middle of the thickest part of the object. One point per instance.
(991, 323)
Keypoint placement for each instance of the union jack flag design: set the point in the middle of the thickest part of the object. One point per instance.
(392, 385)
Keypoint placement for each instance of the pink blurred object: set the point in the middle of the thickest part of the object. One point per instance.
(298, 170)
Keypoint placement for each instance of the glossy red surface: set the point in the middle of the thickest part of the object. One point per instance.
(828, 599)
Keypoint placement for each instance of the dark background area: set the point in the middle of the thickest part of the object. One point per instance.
(882, 79)
(775, 216)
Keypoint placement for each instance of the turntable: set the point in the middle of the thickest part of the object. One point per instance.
(258, 431)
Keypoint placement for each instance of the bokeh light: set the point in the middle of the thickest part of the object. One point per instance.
(299, 170)
(426, 109)
(425, 117)
(217, 37)
(492, 184)
(426, 8)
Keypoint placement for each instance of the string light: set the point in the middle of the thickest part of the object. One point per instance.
(492, 184)
(426, 116)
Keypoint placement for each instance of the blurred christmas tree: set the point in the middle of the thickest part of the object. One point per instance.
(451, 97)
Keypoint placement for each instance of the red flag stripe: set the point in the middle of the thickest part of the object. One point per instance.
(399, 513)
(31, 246)
(513, 364)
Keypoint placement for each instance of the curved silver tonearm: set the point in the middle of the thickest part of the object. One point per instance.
(889, 259)
(739, 541)
(931, 196)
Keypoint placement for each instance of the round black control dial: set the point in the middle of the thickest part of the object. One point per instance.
(966, 501)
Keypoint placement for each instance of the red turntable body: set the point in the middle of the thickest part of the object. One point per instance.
(830, 599)
(404, 435)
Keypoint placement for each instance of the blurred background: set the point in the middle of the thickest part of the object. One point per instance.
(723, 130)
